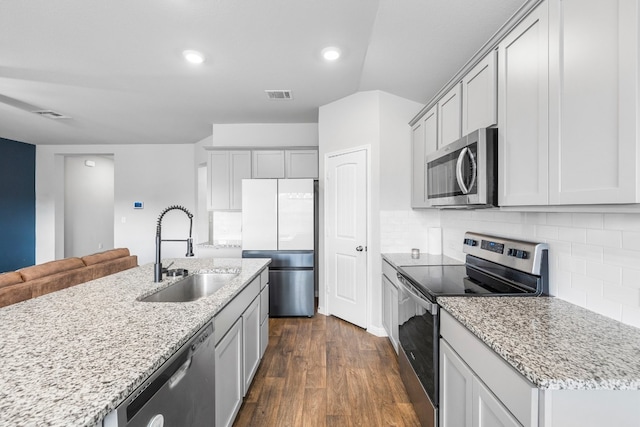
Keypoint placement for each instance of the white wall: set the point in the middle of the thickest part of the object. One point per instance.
(379, 121)
(265, 134)
(88, 205)
(158, 175)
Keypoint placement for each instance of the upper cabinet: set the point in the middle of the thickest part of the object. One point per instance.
(424, 140)
(225, 172)
(301, 163)
(268, 164)
(523, 115)
(480, 95)
(450, 116)
(593, 108)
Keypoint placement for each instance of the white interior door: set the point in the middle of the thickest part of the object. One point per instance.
(346, 236)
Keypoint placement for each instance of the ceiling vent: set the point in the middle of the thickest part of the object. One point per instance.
(279, 94)
(50, 114)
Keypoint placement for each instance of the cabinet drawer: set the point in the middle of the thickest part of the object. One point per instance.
(514, 391)
(389, 271)
(264, 278)
(225, 319)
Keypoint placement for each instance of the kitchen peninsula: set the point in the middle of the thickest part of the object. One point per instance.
(71, 357)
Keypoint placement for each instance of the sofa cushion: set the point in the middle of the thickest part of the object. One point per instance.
(105, 256)
(49, 268)
(58, 281)
(10, 278)
(109, 267)
(15, 293)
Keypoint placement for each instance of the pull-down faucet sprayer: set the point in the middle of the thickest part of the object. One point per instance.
(157, 267)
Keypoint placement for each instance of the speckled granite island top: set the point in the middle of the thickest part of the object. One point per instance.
(556, 345)
(68, 358)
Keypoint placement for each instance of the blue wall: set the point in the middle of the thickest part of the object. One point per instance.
(17, 205)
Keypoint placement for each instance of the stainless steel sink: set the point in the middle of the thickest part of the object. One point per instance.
(191, 288)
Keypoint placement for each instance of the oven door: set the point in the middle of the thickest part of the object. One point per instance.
(418, 330)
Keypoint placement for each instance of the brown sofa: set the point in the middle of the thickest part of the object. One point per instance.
(41, 279)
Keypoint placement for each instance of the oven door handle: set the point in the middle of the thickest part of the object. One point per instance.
(431, 307)
(459, 177)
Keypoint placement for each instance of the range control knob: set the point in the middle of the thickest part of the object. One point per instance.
(470, 242)
(511, 252)
(521, 254)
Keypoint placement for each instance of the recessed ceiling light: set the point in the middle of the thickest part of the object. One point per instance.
(331, 53)
(193, 56)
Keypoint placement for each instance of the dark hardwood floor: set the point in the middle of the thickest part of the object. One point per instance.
(323, 371)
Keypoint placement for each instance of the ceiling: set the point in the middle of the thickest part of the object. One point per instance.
(115, 67)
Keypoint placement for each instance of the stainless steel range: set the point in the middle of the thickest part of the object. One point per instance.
(494, 266)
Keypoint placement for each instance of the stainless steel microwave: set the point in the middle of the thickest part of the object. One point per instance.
(464, 174)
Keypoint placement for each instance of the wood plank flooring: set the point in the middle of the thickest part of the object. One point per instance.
(323, 371)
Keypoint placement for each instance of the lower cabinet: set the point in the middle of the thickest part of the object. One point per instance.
(239, 348)
(229, 376)
(464, 400)
(251, 342)
(390, 303)
(264, 319)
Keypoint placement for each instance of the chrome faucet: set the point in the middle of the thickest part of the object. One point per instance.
(157, 267)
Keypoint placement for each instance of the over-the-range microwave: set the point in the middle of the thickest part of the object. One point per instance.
(464, 174)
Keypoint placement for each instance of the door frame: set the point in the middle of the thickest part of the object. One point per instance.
(323, 300)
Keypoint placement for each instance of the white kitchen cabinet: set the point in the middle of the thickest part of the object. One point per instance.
(501, 394)
(301, 163)
(594, 101)
(456, 389)
(480, 95)
(424, 141)
(251, 342)
(450, 116)
(390, 303)
(268, 164)
(225, 172)
(229, 376)
(523, 112)
(264, 311)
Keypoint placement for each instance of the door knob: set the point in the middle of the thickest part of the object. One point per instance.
(359, 248)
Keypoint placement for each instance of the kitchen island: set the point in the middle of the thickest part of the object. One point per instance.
(71, 357)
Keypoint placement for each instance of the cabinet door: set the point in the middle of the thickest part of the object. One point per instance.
(393, 299)
(480, 95)
(251, 342)
(386, 305)
(456, 389)
(594, 101)
(218, 180)
(268, 164)
(450, 116)
(301, 163)
(229, 376)
(240, 168)
(264, 320)
(424, 141)
(488, 411)
(523, 111)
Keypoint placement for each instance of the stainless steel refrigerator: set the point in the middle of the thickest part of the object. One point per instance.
(279, 222)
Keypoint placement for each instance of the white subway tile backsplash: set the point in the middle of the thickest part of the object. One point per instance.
(622, 295)
(607, 238)
(608, 273)
(594, 258)
(592, 252)
(631, 240)
(586, 220)
(570, 234)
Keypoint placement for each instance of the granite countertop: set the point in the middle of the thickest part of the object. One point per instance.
(404, 259)
(72, 356)
(556, 345)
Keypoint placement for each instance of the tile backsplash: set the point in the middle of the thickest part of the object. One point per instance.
(400, 231)
(594, 258)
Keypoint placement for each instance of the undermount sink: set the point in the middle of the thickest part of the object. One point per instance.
(191, 288)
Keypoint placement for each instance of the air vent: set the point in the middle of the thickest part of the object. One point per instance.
(279, 95)
(50, 114)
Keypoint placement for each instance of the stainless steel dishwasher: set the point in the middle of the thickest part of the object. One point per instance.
(179, 393)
